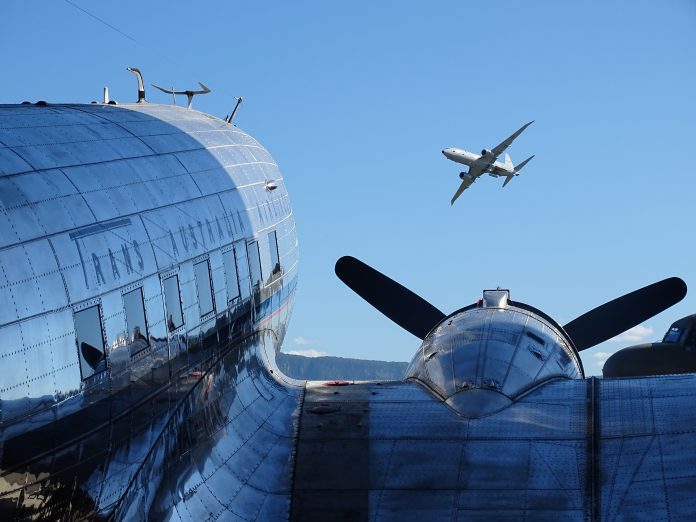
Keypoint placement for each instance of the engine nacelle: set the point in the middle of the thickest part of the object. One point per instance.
(486, 152)
(463, 175)
(482, 358)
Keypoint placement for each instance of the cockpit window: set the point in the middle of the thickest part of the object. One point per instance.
(673, 335)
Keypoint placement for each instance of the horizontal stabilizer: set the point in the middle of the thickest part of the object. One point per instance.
(521, 165)
(507, 180)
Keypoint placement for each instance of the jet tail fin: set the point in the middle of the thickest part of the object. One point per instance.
(521, 165)
(515, 169)
(508, 162)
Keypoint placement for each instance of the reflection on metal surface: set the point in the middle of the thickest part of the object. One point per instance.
(481, 359)
(108, 360)
(135, 320)
(90, 340)
(226, 450)
(231, 274)
(172, 303)
(254, 263)
(205, 292)
(570, 449)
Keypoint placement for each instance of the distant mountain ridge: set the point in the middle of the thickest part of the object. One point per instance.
(332, 368)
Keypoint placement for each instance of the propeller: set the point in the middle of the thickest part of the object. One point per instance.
(417, 316)
(627, 311)
(407, 309)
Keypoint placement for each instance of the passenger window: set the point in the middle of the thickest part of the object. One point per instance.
(240, 254)
(172, 301)
(90, 341)
(254, 262)
(205, 291)
(273, 247)
(231, 275)
(135, 320)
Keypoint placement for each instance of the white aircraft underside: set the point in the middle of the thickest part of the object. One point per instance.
(486, 163)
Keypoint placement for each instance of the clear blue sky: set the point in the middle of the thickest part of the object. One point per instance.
(355, 100)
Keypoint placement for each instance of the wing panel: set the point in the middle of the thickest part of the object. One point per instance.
(427, 462)
(466, 183)
(647, 457)
(500, 148)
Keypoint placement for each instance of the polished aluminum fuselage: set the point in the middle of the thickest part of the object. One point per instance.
(102, 209)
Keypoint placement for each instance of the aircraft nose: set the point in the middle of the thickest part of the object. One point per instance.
(444, 151)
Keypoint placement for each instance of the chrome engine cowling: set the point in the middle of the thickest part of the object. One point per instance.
(481, 358)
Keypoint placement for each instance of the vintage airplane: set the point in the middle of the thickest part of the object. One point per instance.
(675, 354)
(148, 265)
(486, 163)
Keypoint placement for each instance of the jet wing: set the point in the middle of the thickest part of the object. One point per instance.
(499, 149)
(467, 181)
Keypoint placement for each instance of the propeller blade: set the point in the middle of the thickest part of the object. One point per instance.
(92, 355)
(398, 303)
(617, 316)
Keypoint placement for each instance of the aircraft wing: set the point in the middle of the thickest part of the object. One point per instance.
(467, 182)
(500, 148)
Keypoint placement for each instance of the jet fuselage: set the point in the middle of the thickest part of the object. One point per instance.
(470, 159)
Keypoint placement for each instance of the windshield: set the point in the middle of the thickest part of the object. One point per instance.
(673, 335)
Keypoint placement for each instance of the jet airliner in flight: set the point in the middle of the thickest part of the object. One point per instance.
(486, 163)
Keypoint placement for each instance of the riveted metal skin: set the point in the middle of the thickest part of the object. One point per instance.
(569, 449)
(99, 206)
(481, 359)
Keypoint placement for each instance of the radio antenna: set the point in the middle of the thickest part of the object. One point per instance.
(234, 111)
(189, 94)
(141, 87)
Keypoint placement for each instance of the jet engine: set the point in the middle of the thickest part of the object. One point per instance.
(485, 152)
